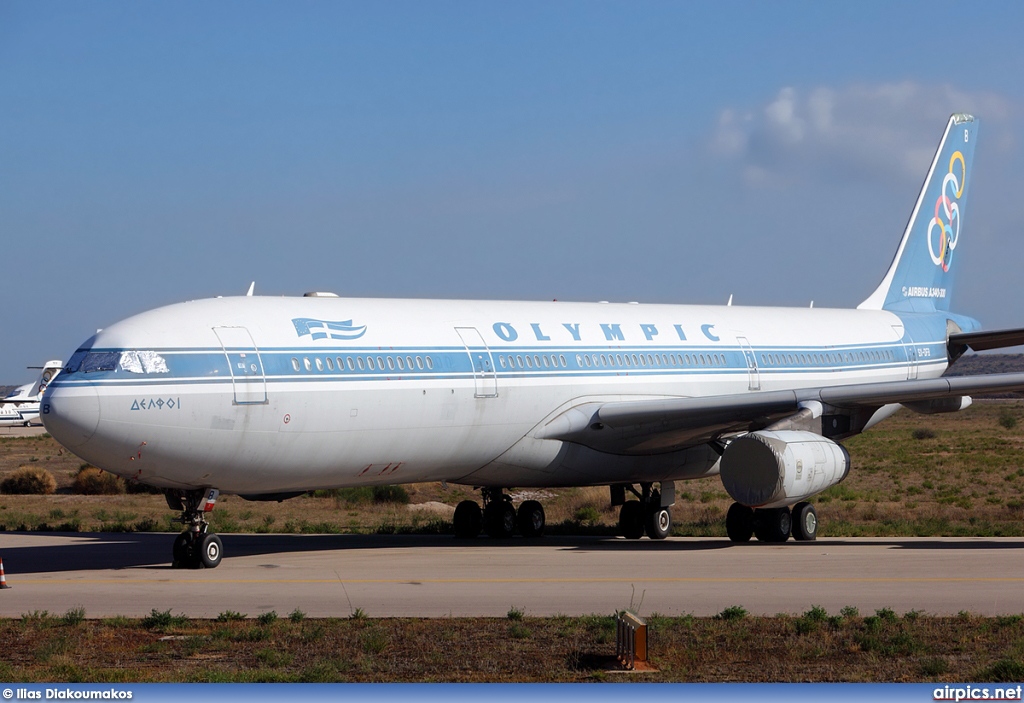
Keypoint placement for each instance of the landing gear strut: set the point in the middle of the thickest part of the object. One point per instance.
(650, 514)
(196, 547)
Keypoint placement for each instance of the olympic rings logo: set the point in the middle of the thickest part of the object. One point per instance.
(946, 222)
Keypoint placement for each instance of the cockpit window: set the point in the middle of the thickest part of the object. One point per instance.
(142, 362)
(100, 361)
(75, 361)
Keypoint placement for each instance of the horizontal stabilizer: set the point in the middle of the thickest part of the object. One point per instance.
(983, 341)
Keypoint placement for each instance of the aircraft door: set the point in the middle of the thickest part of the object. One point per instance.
(911, 358)
(753, 377)
(246, 364)
(483, 363)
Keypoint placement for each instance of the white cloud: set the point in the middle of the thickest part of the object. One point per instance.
(859, 131)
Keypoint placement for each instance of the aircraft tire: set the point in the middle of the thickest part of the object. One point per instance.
(530, 518)
(773, 525)
(467, 519)
(805, 522)
(658, 523)
(500, 519)
(211, 550)
(739, 523)
(181, 550)
(631, 519)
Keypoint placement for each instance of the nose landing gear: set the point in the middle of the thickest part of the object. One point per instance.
(196, 547)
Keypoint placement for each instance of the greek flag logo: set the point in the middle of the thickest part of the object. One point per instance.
(327, 329)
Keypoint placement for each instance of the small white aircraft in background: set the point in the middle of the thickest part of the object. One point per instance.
(22, 406)
(272, 397)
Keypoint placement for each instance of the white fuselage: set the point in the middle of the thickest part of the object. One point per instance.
(259, 395)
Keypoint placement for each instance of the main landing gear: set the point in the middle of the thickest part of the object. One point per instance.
(196, 547)
(650, 514)
(499, 518)
(772, 524)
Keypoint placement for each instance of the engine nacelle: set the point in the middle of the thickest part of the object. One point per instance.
(773, 469)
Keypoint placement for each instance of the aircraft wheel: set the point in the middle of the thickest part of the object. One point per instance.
(773, 525)
(530, 519)
(658, 523)
(210, 550)
(739, 523)
(182, 550)
(467, 519)
(631, 519)
(500, 519)
(805, 522)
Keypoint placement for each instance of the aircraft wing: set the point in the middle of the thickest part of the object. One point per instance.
(18, 401)
(668, 424)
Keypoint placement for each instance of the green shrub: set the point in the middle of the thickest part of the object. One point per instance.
(30, 480)
(1003, 671)
(73, 616)
(90, 481)
(228, 615)
(733, 612)
(923, 433)
(390, 494)
(1007, 419)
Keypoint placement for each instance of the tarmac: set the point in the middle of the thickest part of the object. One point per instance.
(439, 576)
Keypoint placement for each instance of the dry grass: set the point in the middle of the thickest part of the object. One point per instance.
(963, 476)
(812, 647)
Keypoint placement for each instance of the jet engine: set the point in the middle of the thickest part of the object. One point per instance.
(773, 469)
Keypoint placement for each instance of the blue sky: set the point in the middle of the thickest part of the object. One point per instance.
(653, 151)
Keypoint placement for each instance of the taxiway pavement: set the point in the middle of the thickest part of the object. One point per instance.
(392, 575)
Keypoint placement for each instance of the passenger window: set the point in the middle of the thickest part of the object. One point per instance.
(501, 360)
(295, 363)
(330, 363)
(579, 360)
(319, 364)
(529, 362)
(519, 360)
(561, 357)
(359, 361)
(369, 362)
(419, 362)
(430, 362)
(408, 362)
(401, 364)
(391, 363)
(547, 362)
(305, 362)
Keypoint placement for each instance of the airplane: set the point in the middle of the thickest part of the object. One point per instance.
(22, 406)
(271, 397)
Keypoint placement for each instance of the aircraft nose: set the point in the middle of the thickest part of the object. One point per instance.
(71, 414)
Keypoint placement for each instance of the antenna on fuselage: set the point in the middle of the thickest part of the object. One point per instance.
(729, 304)
(252, 287)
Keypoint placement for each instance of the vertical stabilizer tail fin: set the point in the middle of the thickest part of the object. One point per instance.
(920, 278)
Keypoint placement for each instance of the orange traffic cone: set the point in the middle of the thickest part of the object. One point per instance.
(3, 579)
